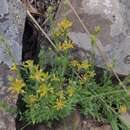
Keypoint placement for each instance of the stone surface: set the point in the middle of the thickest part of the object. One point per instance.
(113, 16)
(12, 18)
(7, 121)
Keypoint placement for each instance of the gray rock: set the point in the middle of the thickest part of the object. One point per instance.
(12, 19)
(6, 121)
(7, 118)
(113, 16)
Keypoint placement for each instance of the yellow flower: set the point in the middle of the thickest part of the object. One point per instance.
(84, 65)
(74, 63)
(122, 109)
(31, 99)
(28, 63)
(64, 24)
(70, 91)
(43, 90)
(38, 74)
(17, 86)
(59, 104)
(65, 45)
(13, 67)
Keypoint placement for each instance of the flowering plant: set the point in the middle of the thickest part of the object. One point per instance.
(52, 89)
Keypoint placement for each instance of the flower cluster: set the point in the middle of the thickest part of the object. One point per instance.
(38, 74)
(65, 45)
(83, 65)
(63, 27)
(43, 90)
(64, 24)
(31, 100)
(59, 104)
(17, 86)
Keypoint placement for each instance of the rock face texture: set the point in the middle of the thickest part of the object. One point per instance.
(113, 17)
(12, 18)
(7, 100)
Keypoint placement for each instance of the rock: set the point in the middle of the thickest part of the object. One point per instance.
(113, 17)
(7, 100)
(73, 122)
(6, 121)
(94, 125)
(12, 18)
